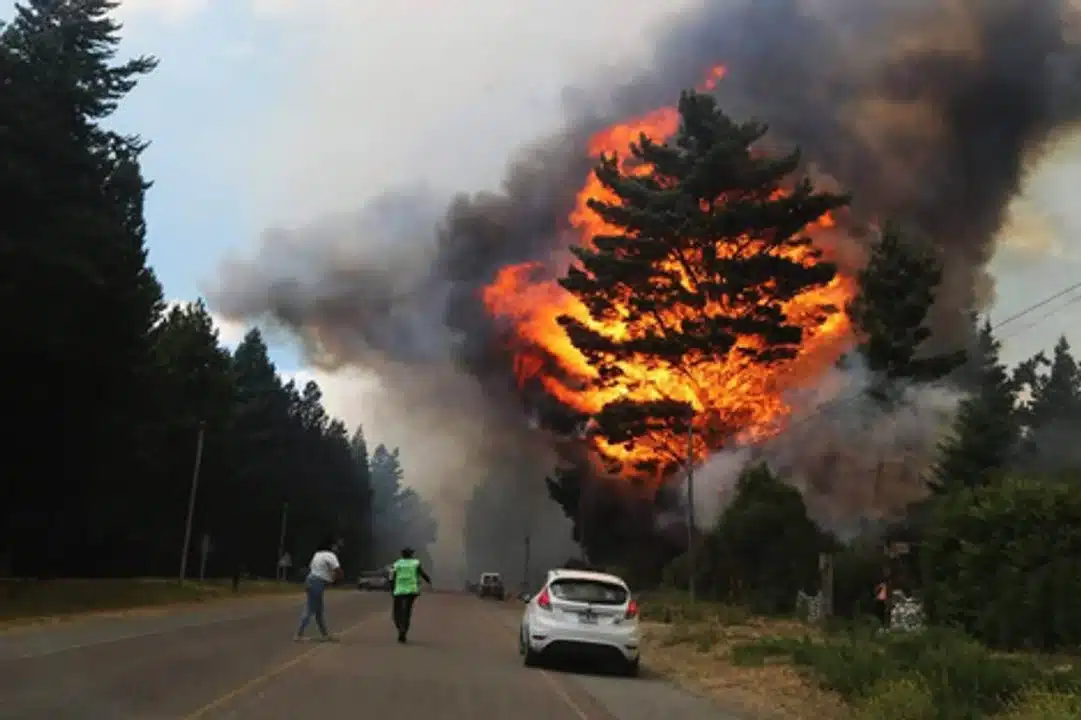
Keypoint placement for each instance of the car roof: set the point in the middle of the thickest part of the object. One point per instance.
(489, 574)
(562, 574)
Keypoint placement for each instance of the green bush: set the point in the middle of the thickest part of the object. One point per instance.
(1044, 705)
(905, 698)
(1003, 562)
(963, 679)
(763, 550)
(857, 569)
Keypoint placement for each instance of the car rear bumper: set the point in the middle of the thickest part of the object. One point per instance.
(563, 639)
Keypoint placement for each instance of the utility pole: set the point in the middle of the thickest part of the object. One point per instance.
(691, 566)
(281, 537)
(191, 501)
(202, 558)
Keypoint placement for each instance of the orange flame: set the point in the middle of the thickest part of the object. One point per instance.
(725, 392)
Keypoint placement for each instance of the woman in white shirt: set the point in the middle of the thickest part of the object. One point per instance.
(323, 570)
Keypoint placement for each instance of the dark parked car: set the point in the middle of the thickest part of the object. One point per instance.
(374, 580)
(491, 585)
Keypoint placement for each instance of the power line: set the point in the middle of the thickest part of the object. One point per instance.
(1040, 318)
(1040, 304)
(833, 404)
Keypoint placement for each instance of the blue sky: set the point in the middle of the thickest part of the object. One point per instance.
(264, 114)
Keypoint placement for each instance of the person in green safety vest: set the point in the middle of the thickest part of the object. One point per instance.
(406, 574)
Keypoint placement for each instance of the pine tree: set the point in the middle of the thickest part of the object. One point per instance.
(566, 488)
(1052, 415)
(194, 386)
(896, 291)
(709, 249)
(73, 236)
(986, 432)
(358, 447)
(400, 515)
(269, 465)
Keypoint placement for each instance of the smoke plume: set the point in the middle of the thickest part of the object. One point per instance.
(855, 463)
(929, 111)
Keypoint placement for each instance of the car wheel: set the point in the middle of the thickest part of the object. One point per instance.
(631, 668)
(530, 658)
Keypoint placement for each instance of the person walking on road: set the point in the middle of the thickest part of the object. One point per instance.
(324, 570)
(406, 574)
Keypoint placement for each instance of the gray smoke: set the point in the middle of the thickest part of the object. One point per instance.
(854, 462)
(930, 111)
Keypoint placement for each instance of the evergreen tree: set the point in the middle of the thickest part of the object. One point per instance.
(358, 447)
(264, 433)
(73, 239)
(764, 548)
(1052, 414)
(400, 515)
(130, 390)
(709, 248)
(896, 291)
(566, 488)
(386, 477)
(986, 432)
(194, 386)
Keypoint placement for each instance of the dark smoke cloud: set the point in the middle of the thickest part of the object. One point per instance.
(930, 111)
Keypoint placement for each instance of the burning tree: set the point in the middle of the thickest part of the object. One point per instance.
(701, 285)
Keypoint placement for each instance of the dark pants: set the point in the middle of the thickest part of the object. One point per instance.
(403, 611)
(883, 612)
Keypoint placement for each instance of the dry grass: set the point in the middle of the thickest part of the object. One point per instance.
(764, 668)
(698, 655)
(33, 601)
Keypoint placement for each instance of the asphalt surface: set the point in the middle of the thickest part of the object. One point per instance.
(237, 660)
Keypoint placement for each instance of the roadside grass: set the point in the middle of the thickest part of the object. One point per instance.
(33, 601)
(692, 644)
(785, 668)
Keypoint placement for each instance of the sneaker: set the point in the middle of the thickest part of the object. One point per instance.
(298, 638)
(401, 637)
(330, 638)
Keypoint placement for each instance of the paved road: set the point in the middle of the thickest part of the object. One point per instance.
(237, 661)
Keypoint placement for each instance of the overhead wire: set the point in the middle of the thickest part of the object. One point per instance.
(831, 405)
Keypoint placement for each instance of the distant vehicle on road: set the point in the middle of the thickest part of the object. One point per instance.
(584, 614)
(491, 585)
(374, 580)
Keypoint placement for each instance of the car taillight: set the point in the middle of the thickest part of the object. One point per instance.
(632, 610)
(543, 600)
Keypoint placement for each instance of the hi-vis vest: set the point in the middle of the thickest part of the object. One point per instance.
(406, 576)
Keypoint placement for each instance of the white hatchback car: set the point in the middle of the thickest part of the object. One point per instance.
(581, 613)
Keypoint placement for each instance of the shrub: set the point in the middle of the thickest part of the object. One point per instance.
(1044, 705)
(963, 679)
(903, 698)
(1003, 562)
(764, 549)
(857, 569)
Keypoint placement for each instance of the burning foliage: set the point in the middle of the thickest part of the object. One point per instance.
(714, 321)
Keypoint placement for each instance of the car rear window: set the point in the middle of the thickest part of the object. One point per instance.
(596, 592)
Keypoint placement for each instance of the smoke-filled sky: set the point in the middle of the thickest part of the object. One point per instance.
(276, 112)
